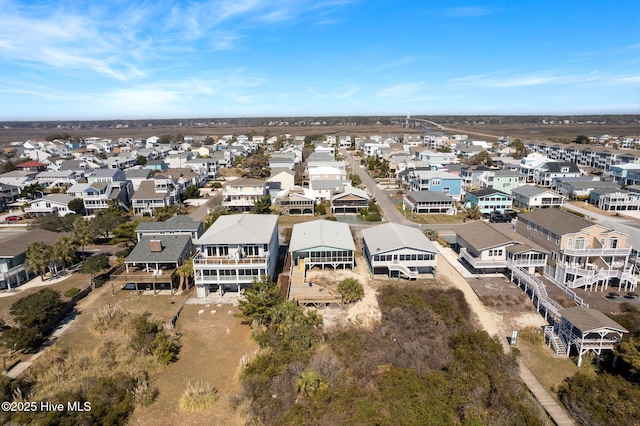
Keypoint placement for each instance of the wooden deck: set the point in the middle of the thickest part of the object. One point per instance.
(310, 295)
(121, 275)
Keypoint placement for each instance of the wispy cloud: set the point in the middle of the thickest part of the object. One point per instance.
(504, 80)
(398, 90)
(125, 43)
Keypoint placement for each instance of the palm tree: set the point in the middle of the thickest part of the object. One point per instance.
(37, 258)
(474, 212)
(63, 251)
(185, 271)
(82, 233)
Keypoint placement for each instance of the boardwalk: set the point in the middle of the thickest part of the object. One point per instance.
(488, 322)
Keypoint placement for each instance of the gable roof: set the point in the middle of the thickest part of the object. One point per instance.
(350, 190)
(530, 190)
(147, 191)
(556, 167)
(321, 233)
(482, 235)
(241, 229)
(487, 191)
(16, 245)
(587, 319)
(556, 221)
(174, 223)
(392, 236)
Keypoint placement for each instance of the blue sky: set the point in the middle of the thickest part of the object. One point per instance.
(230, 58)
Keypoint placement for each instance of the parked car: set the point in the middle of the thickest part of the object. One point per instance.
(499, 218)
(12, 218)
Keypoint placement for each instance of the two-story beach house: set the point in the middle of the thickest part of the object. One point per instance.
(234, 251)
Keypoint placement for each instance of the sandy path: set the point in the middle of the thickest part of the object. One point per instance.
(488, 320)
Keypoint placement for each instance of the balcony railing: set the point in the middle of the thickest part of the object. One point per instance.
(200, 260)
(479, 264)
(623, 251)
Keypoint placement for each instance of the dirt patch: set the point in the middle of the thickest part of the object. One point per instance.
(213, 342)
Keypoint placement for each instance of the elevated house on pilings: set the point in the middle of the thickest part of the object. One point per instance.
(322, 243)
(582, 330)
(153, 262)
(398, 250)
(583, 253)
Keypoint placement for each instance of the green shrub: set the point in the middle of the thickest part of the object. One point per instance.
(373, 217)
(351, 290)
(71, 292)
(122, 253)
(95, 264)
(216, 185)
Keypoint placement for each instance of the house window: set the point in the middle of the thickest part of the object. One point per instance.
(549, 236)
(445, 190)
(570, 242)
(580, 243)
(557, 241)
(613, 242)
(528, 226)
(435, 182)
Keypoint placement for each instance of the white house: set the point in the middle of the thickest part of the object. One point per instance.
(234, 251)
(398, 250)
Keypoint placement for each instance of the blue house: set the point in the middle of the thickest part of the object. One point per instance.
(436, 181)
(157, 165)
(489, 200)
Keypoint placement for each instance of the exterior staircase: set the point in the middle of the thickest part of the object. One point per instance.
(554, 340)
(412, 275)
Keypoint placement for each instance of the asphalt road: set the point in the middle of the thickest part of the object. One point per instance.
(389, 210)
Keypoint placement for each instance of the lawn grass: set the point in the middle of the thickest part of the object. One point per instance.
(432, 218)
(550, 370)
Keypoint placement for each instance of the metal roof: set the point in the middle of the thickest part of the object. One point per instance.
(392, 236)
(241, 229)
(321, 233)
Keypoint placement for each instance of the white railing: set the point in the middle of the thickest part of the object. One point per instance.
(537, 288)
(624, 251)
(481, 263)
(402, 268)
(200, 259)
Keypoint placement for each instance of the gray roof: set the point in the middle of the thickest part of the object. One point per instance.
(587, 319)
(556, 221)
(173, 246)
(16, 245)
(392, 236)
(137, 173)
(482, 235)
(426, 196)
(321, 233)
(556, 167)
(175, 223)
(241, 229)
(530, 190)
(350, 190)
(335, 185)
(57, 198)
(147, 191)
(104, 173)
(487, 191)
(581, 184)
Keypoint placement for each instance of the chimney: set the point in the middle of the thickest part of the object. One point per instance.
(155, 246)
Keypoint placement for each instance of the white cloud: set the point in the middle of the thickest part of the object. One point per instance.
(398, 90)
